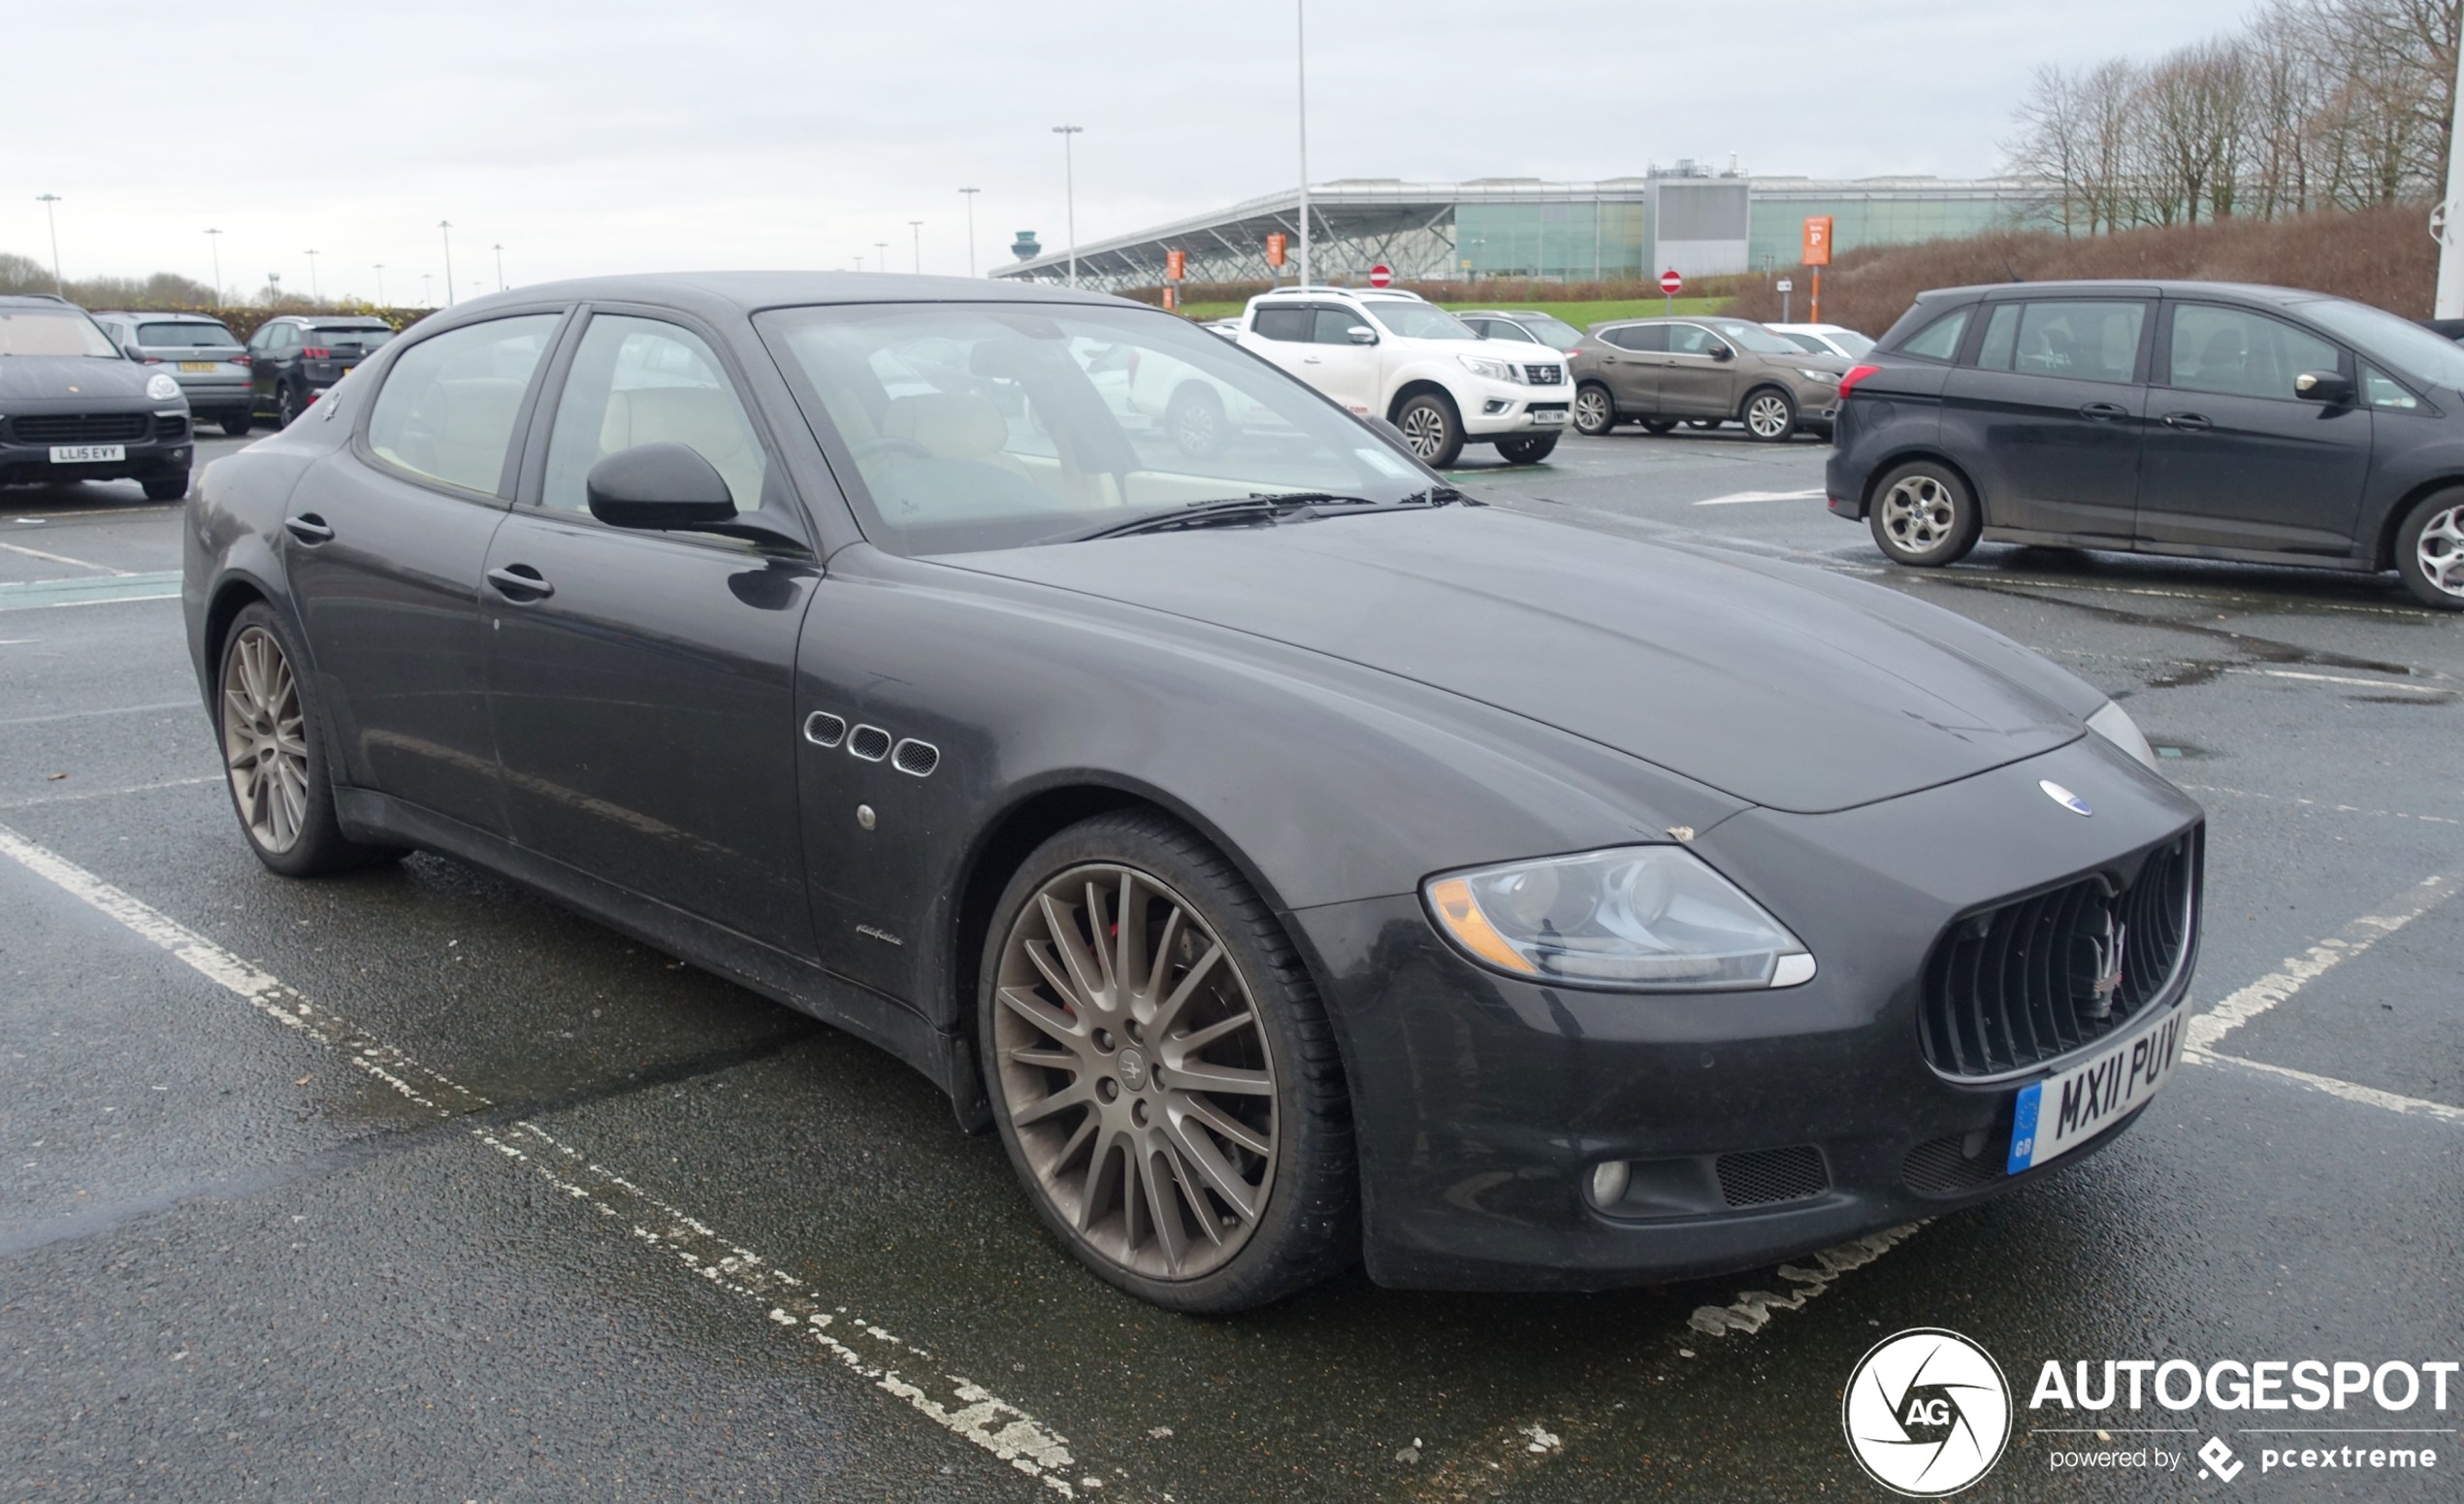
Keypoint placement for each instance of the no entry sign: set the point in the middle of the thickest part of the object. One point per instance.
(1671, 282)
(1381, 276)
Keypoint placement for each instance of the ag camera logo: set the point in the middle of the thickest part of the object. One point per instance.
(1927, 1412)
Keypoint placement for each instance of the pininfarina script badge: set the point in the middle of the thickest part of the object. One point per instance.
(2064, 798)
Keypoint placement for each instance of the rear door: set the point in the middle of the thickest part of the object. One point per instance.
(1283, 333)
(1630, 362)
(2235, 458)
(2049, 414)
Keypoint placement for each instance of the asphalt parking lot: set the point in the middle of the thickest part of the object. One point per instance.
(411, 1183)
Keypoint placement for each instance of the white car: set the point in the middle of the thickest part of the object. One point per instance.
(1396, 356)
(1147, 389)
(1824, 340)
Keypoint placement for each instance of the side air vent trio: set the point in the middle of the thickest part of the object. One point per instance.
(871, 744)
(919, 757)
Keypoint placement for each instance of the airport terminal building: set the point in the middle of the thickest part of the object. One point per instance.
(1686, 217)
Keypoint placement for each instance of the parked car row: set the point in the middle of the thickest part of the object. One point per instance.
(284, 366)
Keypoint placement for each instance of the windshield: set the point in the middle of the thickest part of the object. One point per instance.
(2400, 342)
(978, 426)
(186, 336)
(1552, 330)
(62, 331)
(1420, 321)
(349, 333)
(1753, 337)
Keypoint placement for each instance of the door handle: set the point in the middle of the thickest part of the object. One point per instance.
(309, 529)
(520, 582)
(1313, 360)
(2190, 422)
(1607, 360)
(2105, 412)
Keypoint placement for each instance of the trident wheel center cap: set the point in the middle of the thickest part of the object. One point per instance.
(1133, 1069)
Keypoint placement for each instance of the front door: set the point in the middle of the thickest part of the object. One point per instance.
(1695, 382)
(2235, 459)
(643, 683)
(384, 550)
(1343, 370)
(2052, 412)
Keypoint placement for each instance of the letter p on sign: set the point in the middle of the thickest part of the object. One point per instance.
(1817, 248)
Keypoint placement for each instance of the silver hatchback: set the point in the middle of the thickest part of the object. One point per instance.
(205, 357)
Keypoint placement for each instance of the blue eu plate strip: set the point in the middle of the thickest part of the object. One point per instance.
(2024, 1130)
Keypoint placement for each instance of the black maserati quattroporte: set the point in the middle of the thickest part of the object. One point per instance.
(1293, 860)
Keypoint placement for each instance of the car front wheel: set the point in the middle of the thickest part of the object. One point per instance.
(170, 487)
(1770, 415)
(1924, 514)
(2429, 550)
(1162, 1073)
(1431, 430)
(1595, 410)
(288, 404)
(1196, 421)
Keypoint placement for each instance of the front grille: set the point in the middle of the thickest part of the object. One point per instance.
(171, 426)
(1943, 1166)
(82, 427)
(1763, 1176)
(2018, 985)
(1545, 376)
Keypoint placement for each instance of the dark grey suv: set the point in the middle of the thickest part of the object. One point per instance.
(75, 407)
(2194, 419)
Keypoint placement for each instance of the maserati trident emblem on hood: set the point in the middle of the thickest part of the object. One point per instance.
(2064, 798)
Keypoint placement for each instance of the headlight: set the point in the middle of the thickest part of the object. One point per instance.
(2114, 724)
(1634, 918)
(1494, 370)
(160, 387)
(1827, 378)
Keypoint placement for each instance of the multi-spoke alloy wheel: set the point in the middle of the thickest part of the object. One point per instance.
(2438, 551)
(1135, 1071)
(1595, 412)
(1770, 416)
(265, 740)
(1924, 514)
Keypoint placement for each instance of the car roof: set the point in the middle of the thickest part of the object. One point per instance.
(28, 299)
(1502, 314)
(748, 292)
(329, 320)
(2256, 292)
(1364, 294)
(157, 315)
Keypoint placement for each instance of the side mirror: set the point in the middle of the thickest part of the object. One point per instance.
(2325, 387)
(1362, 334)
(133, 354)
(670, 488)
(1721, 353)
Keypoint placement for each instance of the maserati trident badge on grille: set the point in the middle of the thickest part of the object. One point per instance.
(2108, 961)
(2064, 798)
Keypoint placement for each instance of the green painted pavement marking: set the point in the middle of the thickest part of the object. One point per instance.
(23, 595)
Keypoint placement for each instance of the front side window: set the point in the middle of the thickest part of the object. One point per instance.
(1554, 332)
(1499, 328)
(2432, 359)
(2383, 391)
(448, 408)
(1334, 326)
(1420, 321)
(1938, 340)
(1750, 336)
(1690, 339)
(185, 336)
(2091, 341)
(994, 425)
(644, 381)
(2238, 353)
(53, 331)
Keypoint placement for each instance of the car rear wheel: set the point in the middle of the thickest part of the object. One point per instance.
(238, 424)
(1771, 415)
(1595, 410)
(1195, 420)
(1527, 451)
(1924, 514)
(1162, 1073)
(1432, 430)
(2429, 550)
(288, 404)
(273, 749)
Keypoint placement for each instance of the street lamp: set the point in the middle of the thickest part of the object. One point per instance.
(213, 238)
(427, 294)
(380, 286)
(914, 229)
(882, 260)
(499, 250)
(1069, 180)
(970, 193)
(446, 226)
(47, 200)
(314, 290)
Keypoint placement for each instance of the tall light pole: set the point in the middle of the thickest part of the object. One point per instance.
(427, 294)
(2449, 301)
(47, 200)
(1069, 187)
(882, 260)
(213, 238)
(381, 285)
(914, 229)
(970, 193)
(859, 263)
(314, 291)
(499, 250)
(1300, 54)
(446, 227)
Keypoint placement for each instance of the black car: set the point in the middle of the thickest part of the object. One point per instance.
(2196, 418)
(1293, 860)
(295, 357)
(75, 407)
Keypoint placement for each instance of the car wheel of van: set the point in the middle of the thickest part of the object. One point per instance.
(1771, 415)
(1924, 514)
(1526, 451)
(272, 736)
(170, 487)
(1595, 410)
(287, 405)
(1195, 420)
(1162, 1073)
(1659, 426)
(238, 424)
(2429, 550)
(1431, 430)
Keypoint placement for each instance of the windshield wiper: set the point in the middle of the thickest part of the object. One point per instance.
(1224, 513)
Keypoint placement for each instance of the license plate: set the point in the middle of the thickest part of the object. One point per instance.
(2060, 1113)
(1545, 418)
(87, 453)
(198, 365)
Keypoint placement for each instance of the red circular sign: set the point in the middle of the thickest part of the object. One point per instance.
(1671, 282)
(1381, 276)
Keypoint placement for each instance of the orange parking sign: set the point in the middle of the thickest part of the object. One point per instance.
(1274, 245)
(1817, 251)
(1175, 264)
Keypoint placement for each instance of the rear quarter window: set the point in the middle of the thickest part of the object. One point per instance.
(1938, 340)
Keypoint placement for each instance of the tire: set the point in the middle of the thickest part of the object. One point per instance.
(238, 424)
(1925, 515)
(1769, 414)
(1656, 427)
(1527, 451)
(1052, 1024)
(166, 488)
(2429, 550)
(1195, 420)
(1431, 429)
(274, 738)
(287, 405)
(1595, 410)
(1705, 424)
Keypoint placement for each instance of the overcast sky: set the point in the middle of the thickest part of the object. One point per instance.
(611, 136)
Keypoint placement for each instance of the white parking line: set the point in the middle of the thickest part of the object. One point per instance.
(2298, 972)
(2338, 678)
(971, 1411)
(2349, 1091)
(59, 558)
(1751, 1311)
(1739, 498)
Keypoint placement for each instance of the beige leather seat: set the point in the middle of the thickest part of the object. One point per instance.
(948, 425)
(702, 418)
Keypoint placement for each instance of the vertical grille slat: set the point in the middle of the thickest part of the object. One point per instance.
(2016, 986)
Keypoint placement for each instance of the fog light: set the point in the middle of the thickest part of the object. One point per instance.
(1609, 1179)
(1494, 405)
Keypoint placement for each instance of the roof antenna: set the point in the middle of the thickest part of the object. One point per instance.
(2014, 270)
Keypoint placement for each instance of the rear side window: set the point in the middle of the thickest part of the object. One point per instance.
(2091, 342)
(2239, 353)
(1643, 337)
(1938, 340)
(1292, 326)
(448, 405)
(185, 336)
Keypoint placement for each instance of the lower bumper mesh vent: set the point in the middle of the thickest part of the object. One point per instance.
(1943, 1166)
(1763, 1176)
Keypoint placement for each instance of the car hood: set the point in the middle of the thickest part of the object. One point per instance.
(1782, 686)
(69, 378)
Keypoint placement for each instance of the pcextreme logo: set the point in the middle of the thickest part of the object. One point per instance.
(1926, 1412)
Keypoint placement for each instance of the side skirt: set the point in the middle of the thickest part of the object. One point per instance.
(2109, 544)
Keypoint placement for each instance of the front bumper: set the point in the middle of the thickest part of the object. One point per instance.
(1481, 1103)
(1502, 408)
(162, 448)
